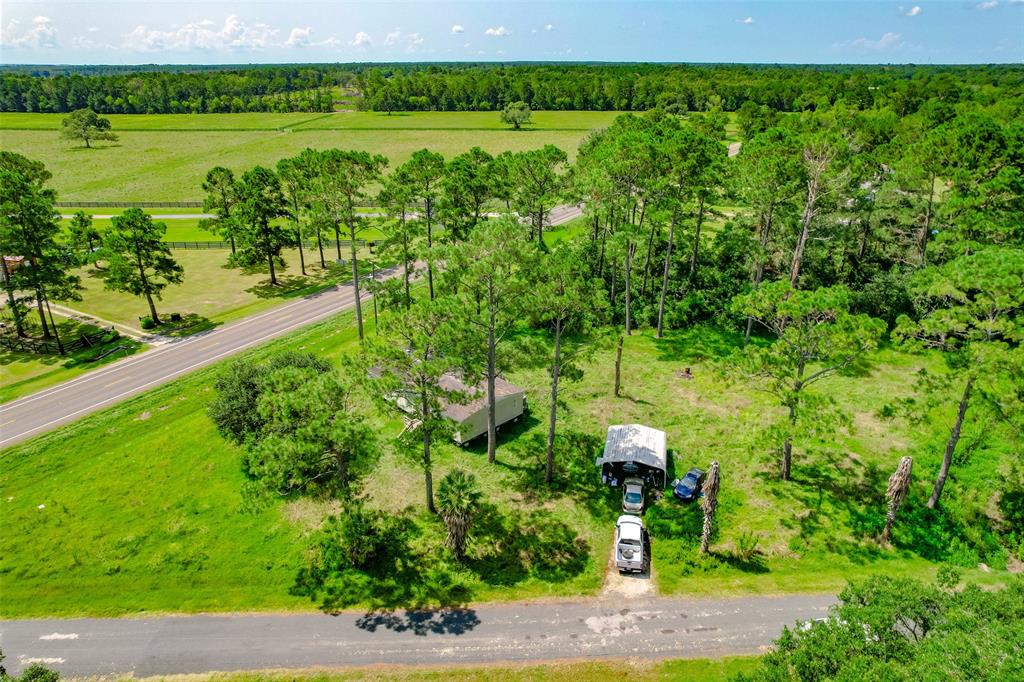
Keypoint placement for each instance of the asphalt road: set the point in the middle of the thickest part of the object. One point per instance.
(51, 407)
(39, 412)
(657, 628)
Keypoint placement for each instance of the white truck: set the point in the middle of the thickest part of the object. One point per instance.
(630, 544)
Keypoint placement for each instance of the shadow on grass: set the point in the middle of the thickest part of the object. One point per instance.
(575, 474)
(701, 343)
(190, 324)
(508, 433)
(509, 548)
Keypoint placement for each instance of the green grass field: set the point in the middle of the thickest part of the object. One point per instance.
(164, 157)
(212, 290)
(143, 509)
(706, 670)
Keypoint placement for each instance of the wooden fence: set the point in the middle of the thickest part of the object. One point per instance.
(49, 346)
(360, 243)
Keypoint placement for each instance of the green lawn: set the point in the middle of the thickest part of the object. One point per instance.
(143, 509)
(211, 289)
(165, 157)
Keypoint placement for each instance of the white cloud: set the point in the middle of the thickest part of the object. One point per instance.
(913, 11)
(41, 34)
(299, 37)
(467, 44)
(549, 27)
(888, 40)
(92, 29)
(235, 34)
(988, 4)
(498, 32)
(457, 28)
(748, 20)
(413, 41)
(361, 39)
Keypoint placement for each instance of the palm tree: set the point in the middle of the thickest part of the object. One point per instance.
(458, 502)
(709, 503)
(899, 484)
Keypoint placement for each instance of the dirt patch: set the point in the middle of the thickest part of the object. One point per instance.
(627, 585)
(868, 424)
(144, 416)
(308, 514)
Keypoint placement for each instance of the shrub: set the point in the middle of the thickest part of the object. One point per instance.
(147, 322)
(961, 554)
(175, 317)
(39, 673)
(746, 545)
(238, 390)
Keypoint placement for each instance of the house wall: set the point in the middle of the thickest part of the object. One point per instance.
(506, 409)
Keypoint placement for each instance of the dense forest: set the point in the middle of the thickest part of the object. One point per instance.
(486, 87)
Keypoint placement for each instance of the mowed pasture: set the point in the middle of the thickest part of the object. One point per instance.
(165, 157)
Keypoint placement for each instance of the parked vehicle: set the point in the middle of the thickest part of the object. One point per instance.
(633, 495)
(688, 487)
(629, 544)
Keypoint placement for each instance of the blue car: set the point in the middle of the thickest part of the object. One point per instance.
(688, 487)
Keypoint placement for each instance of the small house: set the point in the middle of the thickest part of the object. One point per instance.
(634, 450)
(470, 419)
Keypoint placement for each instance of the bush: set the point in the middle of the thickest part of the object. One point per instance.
(238, 390)
(38, 673)
(147, 322)
(175, 317)
(961, 554)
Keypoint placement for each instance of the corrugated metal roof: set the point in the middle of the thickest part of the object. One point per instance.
(459, 413)
(635, 443)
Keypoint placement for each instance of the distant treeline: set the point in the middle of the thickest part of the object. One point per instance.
(487, 87)
(277, 89)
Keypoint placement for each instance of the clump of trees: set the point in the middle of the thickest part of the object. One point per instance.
(901, 628)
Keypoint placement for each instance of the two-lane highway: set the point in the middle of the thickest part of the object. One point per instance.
(51, 407)
(618, 628)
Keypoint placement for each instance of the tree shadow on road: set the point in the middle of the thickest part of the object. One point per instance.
(443, 621)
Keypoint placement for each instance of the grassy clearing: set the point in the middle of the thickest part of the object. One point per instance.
(161, 158)
(212, 291)
(23, 373)
(143, 508)
(143, 511)
(707, 670)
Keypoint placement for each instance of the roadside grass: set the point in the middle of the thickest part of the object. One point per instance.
(705, 669)
(212, 292)
(143, 510)
(160, 158)
(22, 373)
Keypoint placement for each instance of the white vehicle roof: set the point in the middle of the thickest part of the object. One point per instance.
(630, 527)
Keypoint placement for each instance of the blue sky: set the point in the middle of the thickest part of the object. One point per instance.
(824, 31)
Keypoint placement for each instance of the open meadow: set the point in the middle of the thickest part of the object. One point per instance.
(165, 157)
